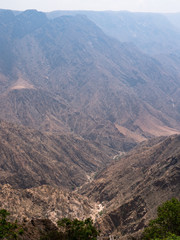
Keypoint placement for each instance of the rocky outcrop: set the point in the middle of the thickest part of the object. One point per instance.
(45, 202)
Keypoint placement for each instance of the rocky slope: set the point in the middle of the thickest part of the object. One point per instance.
(78, 97)
(31, 158)
(37, 210)
(45, 202)
(122, 198)
(67, 74)
(133, 187)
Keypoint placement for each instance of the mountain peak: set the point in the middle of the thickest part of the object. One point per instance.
(28, 21)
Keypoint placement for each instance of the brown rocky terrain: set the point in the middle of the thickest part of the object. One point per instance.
(41, 110)
(71, 100)
(37, 210)
(135, 184)
(45, 202)
(66, 74)
(122, 198)
(37, 228)
(31, 158)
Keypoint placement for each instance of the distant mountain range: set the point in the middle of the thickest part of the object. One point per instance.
(65, 73)
(151, 32)
(88, 103)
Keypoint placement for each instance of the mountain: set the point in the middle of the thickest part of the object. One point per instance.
(151, 32)
(133, 186)
(30, 158)
(66, 75)
(75, 98)
(173, 18)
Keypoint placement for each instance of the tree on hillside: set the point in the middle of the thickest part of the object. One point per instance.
(73, 230)
(78, 229)
(8, 230)
(167, 223)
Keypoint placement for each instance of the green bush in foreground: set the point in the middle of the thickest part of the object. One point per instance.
(167, 224)
(8, 230)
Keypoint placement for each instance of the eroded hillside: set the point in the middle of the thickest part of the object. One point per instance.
(135, 184)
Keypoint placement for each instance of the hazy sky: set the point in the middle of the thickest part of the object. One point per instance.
(131, 5)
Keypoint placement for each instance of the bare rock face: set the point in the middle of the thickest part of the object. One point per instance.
(132, 188)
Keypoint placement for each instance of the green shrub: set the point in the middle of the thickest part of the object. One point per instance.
(167, 223)
(73, 230)
(78, 229)
(8, 230)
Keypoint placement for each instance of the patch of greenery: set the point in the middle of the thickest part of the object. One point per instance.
(73, 230)
(78, 229)
(167, 224)
(170, 237)
(101, 213)
(8, 230)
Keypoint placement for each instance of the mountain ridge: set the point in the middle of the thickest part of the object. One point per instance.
(70, 59)
(30, 158)
(74, 101)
